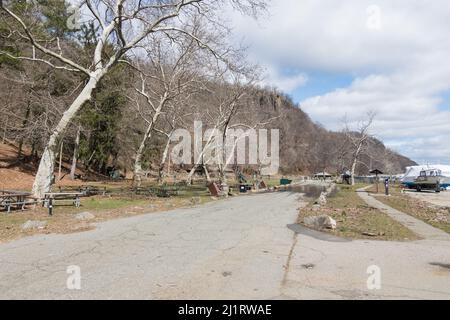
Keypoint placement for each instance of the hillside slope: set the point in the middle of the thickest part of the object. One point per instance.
(18, 174)
(306, 147)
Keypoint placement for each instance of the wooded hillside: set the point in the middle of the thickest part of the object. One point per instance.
(82, 94)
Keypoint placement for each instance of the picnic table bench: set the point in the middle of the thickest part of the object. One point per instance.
(87, 190)
(17, 199)
(10, 199)
(51, 197)
(160, 192)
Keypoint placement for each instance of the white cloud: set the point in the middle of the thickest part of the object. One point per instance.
(286, 83)
(401, 68)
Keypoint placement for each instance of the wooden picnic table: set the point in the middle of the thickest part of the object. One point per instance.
(51, 197)
(11, 198)
(87, 190)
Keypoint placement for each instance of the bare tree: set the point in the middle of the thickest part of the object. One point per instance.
(123, 25)
(179, 111)
(358, 140)
(170, 76)
(230, 108)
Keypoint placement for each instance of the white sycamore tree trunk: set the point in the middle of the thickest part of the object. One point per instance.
(75, 155)
(164, 157)
(154, 18)
(356, 156)
(200, 159)
(42, 182)
(138, 172)
(355, 161)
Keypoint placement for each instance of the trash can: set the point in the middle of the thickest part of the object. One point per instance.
(285, 182)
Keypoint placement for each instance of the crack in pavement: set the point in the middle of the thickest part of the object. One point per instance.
(158, 254)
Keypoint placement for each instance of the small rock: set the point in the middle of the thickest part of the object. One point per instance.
(322, 199)
(29, 225)
(227, 274)
(369, 234)
(321, 222)
(83, 216)
(196, 201)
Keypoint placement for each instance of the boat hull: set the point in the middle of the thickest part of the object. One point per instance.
(412, 183)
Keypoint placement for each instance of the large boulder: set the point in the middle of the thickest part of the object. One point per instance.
(30, 225)
(322, 199)
(196, 201)
(320, 222)
(83, 216)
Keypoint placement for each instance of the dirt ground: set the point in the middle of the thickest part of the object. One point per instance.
(18, 174)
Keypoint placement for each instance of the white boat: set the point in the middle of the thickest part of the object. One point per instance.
(411, 177)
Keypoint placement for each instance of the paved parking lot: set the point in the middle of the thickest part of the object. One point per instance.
(240, 248)
(439, 199)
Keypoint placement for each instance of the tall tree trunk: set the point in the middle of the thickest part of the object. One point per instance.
(137, 172)
(225, 161)
(33, 149)
(200, 160)
(60, 160)
(191, 174)
(355, 161)
(24, 125)
(75, 155)
(42, 181)
(208, 177)
(353, 170)
(164, 158)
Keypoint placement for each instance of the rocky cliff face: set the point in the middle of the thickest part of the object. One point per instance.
(307, 147)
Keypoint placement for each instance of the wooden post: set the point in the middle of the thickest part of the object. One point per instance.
(50, 206)
(376, 177)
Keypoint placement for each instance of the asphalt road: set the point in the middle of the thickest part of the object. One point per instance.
(439, 199)
(240, 248)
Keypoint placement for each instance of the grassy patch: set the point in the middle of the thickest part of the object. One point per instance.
(433, 215)
(355, 218)
(272, 182)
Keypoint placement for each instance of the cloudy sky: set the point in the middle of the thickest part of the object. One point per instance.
(340, 58)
